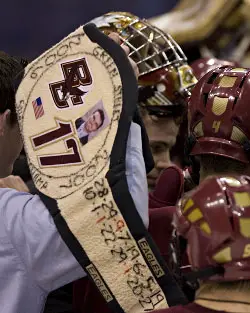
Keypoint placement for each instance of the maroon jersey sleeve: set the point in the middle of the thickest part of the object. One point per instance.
(160, 228)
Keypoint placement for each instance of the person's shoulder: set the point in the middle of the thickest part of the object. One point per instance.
(8, 194)
(189, 308)
(84, 140)
(12, 202)
(175, 309)
(79, 122)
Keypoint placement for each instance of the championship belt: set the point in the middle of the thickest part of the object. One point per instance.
(86, 82)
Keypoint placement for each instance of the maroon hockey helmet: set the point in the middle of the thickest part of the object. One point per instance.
(219, 114)
(215, 220)
(202, 66)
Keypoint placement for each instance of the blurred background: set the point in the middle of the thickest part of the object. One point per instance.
(29, 27)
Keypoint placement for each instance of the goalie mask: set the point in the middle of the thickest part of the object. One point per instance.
(165, 78)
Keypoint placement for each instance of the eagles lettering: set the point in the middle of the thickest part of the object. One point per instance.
(76, 74)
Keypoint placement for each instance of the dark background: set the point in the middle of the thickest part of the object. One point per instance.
(29, 27)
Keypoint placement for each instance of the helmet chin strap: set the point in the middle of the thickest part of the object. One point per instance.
(190, 281)
(203, 273)
(178, 246)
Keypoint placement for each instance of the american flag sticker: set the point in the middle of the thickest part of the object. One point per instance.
(38, 108)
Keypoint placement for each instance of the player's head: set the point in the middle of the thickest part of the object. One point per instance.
(10, 138)
(95, 121)
(215, 222)
(219, 121)
(165, 81)
(202, 66)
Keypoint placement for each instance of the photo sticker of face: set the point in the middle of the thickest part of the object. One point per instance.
(92, 123)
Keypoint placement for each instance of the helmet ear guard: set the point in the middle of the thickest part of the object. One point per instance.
(177, 250)
(191, 162)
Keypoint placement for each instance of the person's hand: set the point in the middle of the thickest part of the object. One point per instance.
(14, 182)
(117, 39)
(169, 187)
